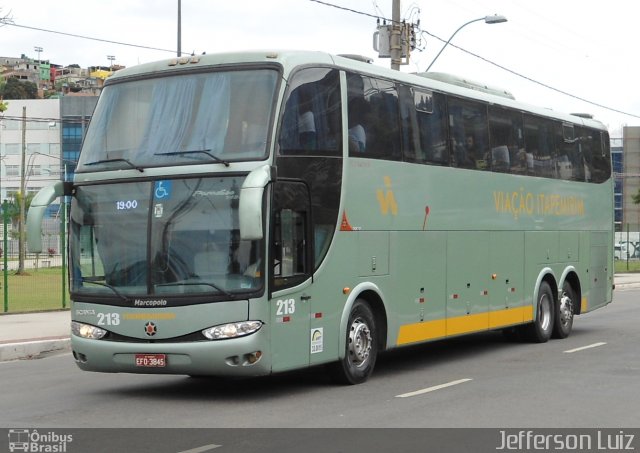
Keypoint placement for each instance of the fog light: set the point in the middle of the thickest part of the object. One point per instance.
(253, 357)
(87, 331)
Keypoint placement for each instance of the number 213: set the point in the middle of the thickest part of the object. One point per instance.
(286, 307)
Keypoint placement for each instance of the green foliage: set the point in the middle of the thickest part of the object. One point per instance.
(636, 197)
(13, 206)
(15, 89)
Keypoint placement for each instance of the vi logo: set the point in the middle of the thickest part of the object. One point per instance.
(386, 198)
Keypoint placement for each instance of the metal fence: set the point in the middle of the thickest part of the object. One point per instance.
(626, 249)
(43, 284)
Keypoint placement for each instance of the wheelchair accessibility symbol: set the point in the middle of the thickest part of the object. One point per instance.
(162, 190)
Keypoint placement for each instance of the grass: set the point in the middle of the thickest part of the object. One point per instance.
(622, 266)
(39, 289)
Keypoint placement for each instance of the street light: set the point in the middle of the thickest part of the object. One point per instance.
(38, 49)
(495, 19)
(111, 58)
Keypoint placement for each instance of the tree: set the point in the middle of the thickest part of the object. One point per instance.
(15, 89)
(13, 208)
(636, 197)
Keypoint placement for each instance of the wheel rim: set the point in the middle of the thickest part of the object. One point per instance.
(566, 309)
(544, 312)
(360, 343)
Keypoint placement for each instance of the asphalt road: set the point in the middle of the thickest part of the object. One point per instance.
(591, 379)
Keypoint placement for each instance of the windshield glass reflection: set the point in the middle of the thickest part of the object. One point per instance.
(166, 237)
(184, 119)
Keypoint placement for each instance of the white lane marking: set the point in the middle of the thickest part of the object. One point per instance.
(594, 345)
(201, 449)
(434, 388)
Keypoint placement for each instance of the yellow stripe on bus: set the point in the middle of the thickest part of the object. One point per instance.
(147, 316)
(441, 328)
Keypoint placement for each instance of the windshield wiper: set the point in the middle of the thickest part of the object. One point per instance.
(93, 281)
(127, 161)
(199, 151)
(216, 287)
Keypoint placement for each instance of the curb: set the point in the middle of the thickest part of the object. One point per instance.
(33, 349)
(629, 285)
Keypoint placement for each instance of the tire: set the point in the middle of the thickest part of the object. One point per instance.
(361, 347)
(540, 330)
(565, 309)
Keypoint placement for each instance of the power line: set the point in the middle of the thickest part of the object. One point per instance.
(34, 119)
(542, 84)
(343, 8)
(13, 24)
(504, 68)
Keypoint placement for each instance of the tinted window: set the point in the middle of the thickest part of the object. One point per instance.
(540, 138)
(468, 129)
(431, 123)
(311, 123)
(570, 162)
(374, 128)
(601, 159)
(507, 141)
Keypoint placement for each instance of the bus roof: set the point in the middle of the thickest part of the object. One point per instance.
(289, 60)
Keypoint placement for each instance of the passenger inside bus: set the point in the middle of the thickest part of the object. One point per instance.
(357, 134)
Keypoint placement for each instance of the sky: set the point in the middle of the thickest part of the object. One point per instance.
(586, 48)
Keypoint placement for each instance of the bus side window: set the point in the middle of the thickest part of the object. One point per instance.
(601, 157)
(570, 162)
(311, 122)
(431, 116)
(507, 141)
(468, 132)
(540, 138)
(374, 118)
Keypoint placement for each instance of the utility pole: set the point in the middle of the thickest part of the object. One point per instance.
(23, 196)
(179, 28)
(396, 32)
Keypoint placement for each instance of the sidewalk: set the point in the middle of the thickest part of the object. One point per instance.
(33, 335)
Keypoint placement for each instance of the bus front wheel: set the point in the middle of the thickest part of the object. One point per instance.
(540, 330)
(361, 347)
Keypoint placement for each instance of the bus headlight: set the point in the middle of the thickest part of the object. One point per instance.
(87, 331)
(232, 330)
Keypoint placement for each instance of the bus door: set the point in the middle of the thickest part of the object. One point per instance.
(290, 275)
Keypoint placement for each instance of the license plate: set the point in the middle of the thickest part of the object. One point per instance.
(151, 360)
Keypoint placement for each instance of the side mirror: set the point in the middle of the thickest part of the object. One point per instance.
(39, 205)
(250, 209)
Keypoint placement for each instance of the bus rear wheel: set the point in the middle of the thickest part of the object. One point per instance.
(565, 309)
(361, 347)
(539, 331)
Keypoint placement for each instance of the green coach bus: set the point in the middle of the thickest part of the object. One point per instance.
(250, 213)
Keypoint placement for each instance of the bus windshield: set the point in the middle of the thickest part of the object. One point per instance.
(167, 237)
(182, 119)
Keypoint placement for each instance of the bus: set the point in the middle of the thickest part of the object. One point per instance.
(243, 214)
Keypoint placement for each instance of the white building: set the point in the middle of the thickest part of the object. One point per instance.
(41, 145)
